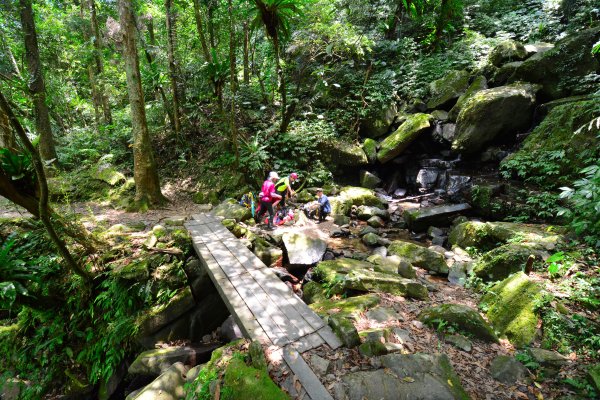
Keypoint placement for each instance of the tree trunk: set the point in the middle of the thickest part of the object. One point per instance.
(233, 81)
(170, 20)
(147, 185)
(390, 33)
(282, 89)
(246, 50)
(98, 46)
(37, 87)
(211, 25)
(200, 29)
(7, 139)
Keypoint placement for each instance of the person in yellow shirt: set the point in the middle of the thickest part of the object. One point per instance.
(283, 187)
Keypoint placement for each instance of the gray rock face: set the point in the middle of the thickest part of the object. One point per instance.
(337, 152)
(460, 342)
(303, 249)
(376, 222)
(365, 212)
(421, 219)
(493, 113)
(378, 123)
(383, 314)
(508, 50)
(507, 370)
(345, 330)
(179, 305)
(155, 362)
(369, 180)
(267, 254)
(230, 330)
(320, 365)
(448, 88)
(466, 318)
(413, 376)
(230, 209)
(168, 386)
(419, 256)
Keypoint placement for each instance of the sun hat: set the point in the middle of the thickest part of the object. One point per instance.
(273, 174)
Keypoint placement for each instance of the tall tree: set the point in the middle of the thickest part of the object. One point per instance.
(37, 87)
(171, 42)
(7, 139)
(99, 62)
(233, 81)
(147, 185)
(200, 29)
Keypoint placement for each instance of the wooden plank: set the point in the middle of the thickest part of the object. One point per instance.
(229, 264)
(235, 304)
(266, 283)
(330, 338)
(271, 328)
(308, 342)
(202, 233)
(201, 218)
(310, 382)
(281, 290)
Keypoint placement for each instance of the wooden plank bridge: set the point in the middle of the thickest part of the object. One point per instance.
(264, 307)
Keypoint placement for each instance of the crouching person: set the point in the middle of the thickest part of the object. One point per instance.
(324, 206)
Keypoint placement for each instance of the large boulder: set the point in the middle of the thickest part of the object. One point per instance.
(303, 249)
(465, 318)
(230, 209)
(492, 114)
(507, 369)
(478, 84)
(505, 260)
(448, 88)
(558, 133)
(406, 376)
(560, 67)
(419, 256)
(369, 180)
(354, 196)
(422, 218)
(155, 362)
(105, 171)
(339, 153)
(383, 282)
(266, 253)
(378, 122)
(365, 212)
(406, 133)
(506, 51)
(345, 330)
(155, 319)
(510, 306)
(370, 148)
(168, 386)
(350, 308)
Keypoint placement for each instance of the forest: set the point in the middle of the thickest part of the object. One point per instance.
(440, 163)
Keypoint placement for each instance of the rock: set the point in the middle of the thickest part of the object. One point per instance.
(168, 386)
(303, 249)
(177, 220)
(505, 260)
(266, 253)
(230, 331)
(340, 220)
(137, 270)
(371, 239)
(569, 61)
(505, 73)
(383, 314)
(350, 308)
(381, 282)
(378, 123)
(372, 349)
(206, 197)
(105, 171)
(419, 256)
(339, 153)
(439, 115)
(155, 319)
(11, 388)
(547, 358)
(345, 330)
(376, 222)
(557, 133)
(155, 362)
(460, 342)
(478, 84)
(593, 374)
(230, 209)
(382, 251)
(314, 292)
(445, 90)
(366, 230)
(353, 196)
(485, 235)
(369, 180)
(397, 142)
(538, 47)
(365, 212)
(406, 376)
(507, 370)
(405, 269)
(506, 51)
(495, 113)
(304, 196)
(370, 149)
(422, 218)
(458, 274)
(320, 365)
(466, 318)
(510, 306)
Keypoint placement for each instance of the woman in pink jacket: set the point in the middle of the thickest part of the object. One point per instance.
(267, 196)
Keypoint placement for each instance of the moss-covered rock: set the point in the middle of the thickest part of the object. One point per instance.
(345, 330)
(372, 348)
(369, 180)
(397, 142)
(314, 292)
(508, 50)
(491, 114)
(464, 317)
(419, 256)
(136, 270)
(447, 88)
(558, 133)
(378, 122)
(265, 252)
(351, 307)
(558, 68)
(106, 172)
(206, 197)
(478, 84)
(353, 195)
(230, 209)
(510, 306)
(422, 218)
(382, 282)
(339, 153)
(370, 149)
(499, 263)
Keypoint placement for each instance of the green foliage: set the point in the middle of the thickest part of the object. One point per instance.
(568, 333)
(582, 386)
(541, 168)
(527, 360)
(558, 264)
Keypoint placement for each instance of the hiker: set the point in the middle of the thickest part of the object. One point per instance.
(283, 188)
(267, 197)
(324, 206)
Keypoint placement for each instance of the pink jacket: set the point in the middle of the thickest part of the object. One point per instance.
(268, 188)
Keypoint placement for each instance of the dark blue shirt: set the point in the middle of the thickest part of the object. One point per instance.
(324, 203)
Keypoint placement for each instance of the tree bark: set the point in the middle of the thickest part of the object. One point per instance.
(246, 50)
(200, 29)
(233, 81)
(170, 20)
(7, 139)
(282, 88)
(99, 70)
(37, 87)
(147, 185)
